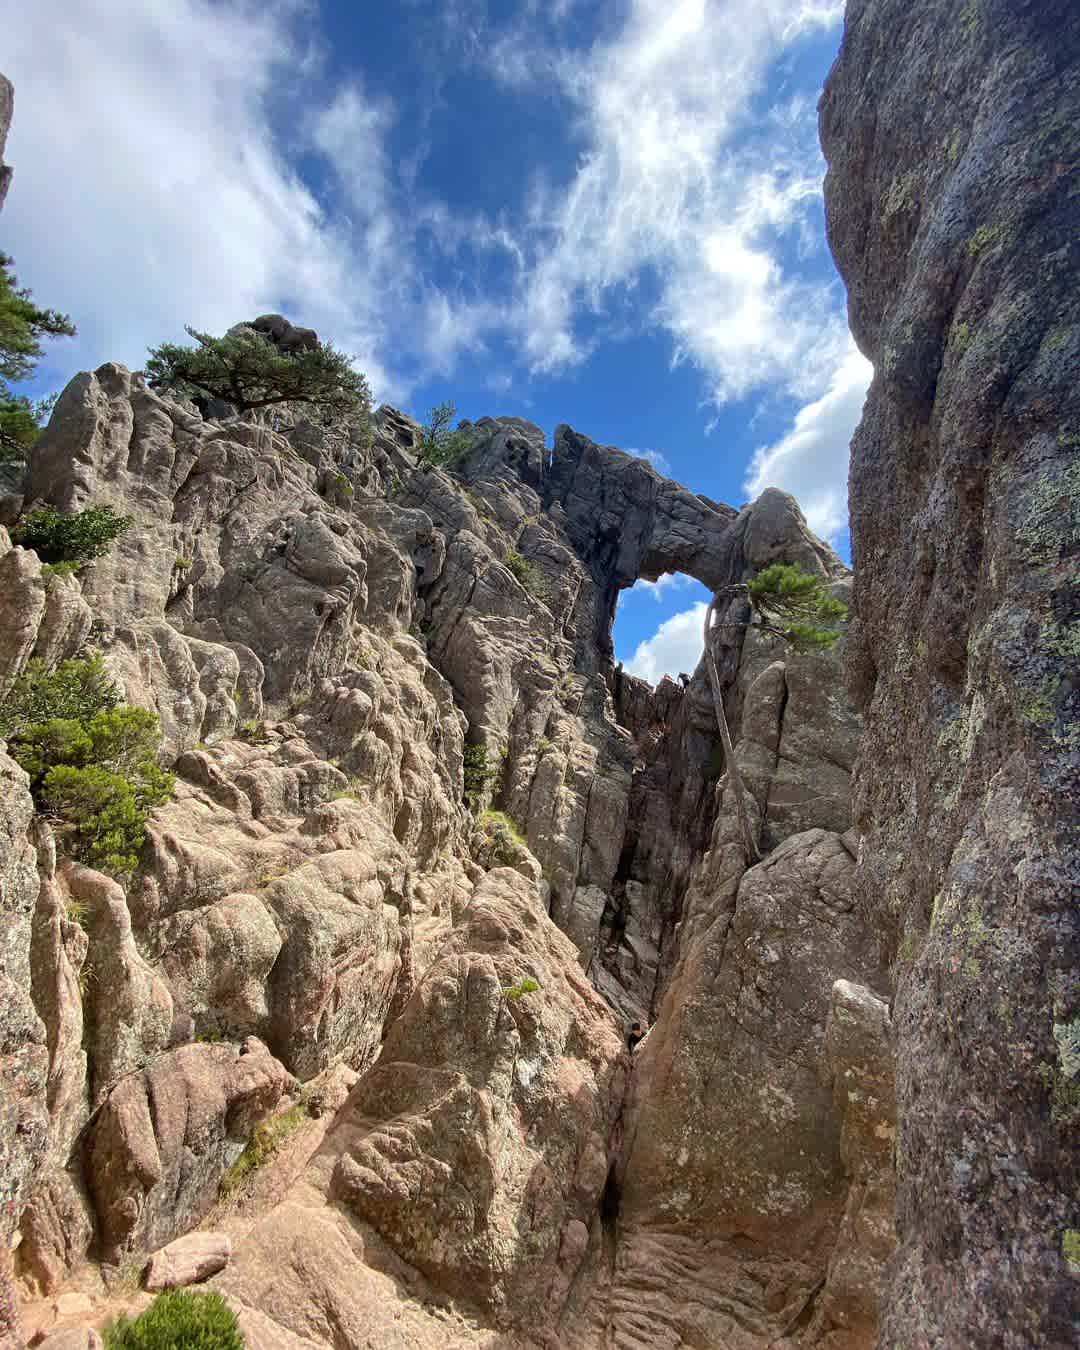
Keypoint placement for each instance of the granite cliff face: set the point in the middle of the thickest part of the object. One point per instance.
(322, 628)
(953, 146)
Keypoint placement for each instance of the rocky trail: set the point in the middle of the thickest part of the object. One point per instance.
(358, 1017)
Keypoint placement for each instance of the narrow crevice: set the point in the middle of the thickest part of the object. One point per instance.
(610, 1201)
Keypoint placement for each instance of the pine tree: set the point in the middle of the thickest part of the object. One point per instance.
(250, 372)
(23, 326)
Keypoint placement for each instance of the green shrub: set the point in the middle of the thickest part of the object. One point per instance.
(60, 569)
(20, 424)
(266, 1138)
(533, 580)
(250, 372)
(91, 760)
(503, 835)
(57, 538)
(178, 1320)
(478, 774)
(78, 688)
(123, 740)
(23, 325)
(526, 985)
(253, 731)
(100, 815)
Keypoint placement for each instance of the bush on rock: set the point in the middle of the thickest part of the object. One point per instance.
(178, 1320)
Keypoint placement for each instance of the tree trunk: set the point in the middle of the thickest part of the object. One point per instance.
(725, 735)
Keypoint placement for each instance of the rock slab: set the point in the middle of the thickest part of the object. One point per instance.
(189, 1260)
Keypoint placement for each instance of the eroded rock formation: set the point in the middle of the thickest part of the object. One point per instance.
(322, 627)
(953, 146)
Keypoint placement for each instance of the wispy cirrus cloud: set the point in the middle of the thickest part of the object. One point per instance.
(678, 181)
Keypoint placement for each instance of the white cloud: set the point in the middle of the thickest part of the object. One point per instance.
(678, 181)
(667, 581)
(153, 145)
(656, 458)
(811, 460)
(675, 647)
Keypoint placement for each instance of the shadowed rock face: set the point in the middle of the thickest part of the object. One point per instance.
(953, 139)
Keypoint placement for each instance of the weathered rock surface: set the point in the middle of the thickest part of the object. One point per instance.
(322, 628)
(189, 1260)
(733, 1135)
(24, 1119)
(164, 1136)
(952, 139)
(483, 1131)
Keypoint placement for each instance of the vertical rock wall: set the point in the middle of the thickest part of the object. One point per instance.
(952, 133)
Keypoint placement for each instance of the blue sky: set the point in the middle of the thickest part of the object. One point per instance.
(602, 214)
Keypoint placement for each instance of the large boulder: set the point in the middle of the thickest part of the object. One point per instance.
(164, 1137)
(484, 1129)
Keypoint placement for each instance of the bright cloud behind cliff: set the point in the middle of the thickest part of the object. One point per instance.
(605, 215)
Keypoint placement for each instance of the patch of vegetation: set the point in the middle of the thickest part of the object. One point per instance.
(1064, 1095)
(178, 1320)
(75, 539)
(23, 326)
(78, 912)
(252, 730)
(1070, 1249)
(983, 238)
(275, 874)
(266, 1138)
(526, 985)
(248, 371)
(796, 606)
(530, 577)
(91, 760)
(60, 569)
(77, 688)
(340, 485)
(479, 774)
(438, 443)
(183, 563)
(503, 836)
